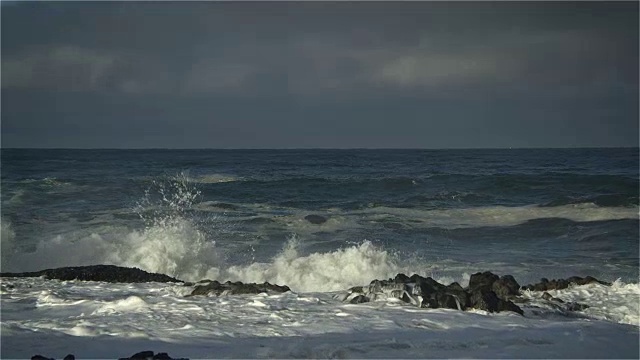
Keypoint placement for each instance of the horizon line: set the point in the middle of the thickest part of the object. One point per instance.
(322, 148)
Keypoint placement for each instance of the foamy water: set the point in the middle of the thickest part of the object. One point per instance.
(88, 319)
(240, 216)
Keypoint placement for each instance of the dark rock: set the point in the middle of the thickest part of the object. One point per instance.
(559, 284)
(359, 299)
(237, 288)
(148, 355)
(143, 355)
(213, 286)
(69, 357)
(459, 294)
(402, 279)
(507, 305)
(315, 219)
(506, 287)
(483, 280)
(40, 357)
(106, 273)
(357, 289)
(161, 356)
(484, 299)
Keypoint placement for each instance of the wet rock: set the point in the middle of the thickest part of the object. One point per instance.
(484, 299)
(316, 219)
(106, 273)
(545, 284)
(40, 357)
(69, 357)
(506, 287)
(236, 288)
(359, 299)
(483, 280)
(402, 279)
(148, 355)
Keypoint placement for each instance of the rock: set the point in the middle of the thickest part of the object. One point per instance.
(559, 284)
(359, 299)
(507, 305)
(161, 356)
(484, 299)
(69, 357)
(143, 355)
(106, 273)
(40, 357)
(506, 287)
(148, 355)
(316, 219)
(236, 288)
(483, 280)
(402, 279)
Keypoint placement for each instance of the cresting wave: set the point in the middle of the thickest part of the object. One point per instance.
(175, 243)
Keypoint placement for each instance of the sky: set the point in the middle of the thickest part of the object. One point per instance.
(319, 74)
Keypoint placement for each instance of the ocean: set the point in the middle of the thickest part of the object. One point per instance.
(244, 215)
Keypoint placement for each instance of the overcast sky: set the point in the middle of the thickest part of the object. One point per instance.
(315, 74)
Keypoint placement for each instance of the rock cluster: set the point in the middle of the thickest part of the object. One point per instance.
(143, 355)
(486, 291)
(545, 284)
(235, 288)
(107, 273)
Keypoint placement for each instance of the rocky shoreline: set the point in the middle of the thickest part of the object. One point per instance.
(486, 291)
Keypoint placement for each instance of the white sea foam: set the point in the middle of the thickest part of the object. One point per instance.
(320, 272)
(500, 215)
(618, 303)
(213, 178)
(100, 320)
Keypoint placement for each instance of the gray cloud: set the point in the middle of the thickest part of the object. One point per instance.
(296, 65)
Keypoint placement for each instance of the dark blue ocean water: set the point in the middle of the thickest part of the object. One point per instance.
(532, 213)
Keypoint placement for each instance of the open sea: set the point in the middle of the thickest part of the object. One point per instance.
(242, 215)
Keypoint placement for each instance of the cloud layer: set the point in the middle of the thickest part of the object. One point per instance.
(556, 57)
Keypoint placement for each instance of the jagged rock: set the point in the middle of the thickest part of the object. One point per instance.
(316, 219)
(106, 273)
(483, 280)
(235, 288)
(506, 287)
(148, 355)
(40, 357)
(559, 284)
(402, 279)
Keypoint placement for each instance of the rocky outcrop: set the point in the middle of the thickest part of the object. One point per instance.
(149, 355)
(486, 291)
(235, 288)
(142, 355)
(545, 284)
(106, 273)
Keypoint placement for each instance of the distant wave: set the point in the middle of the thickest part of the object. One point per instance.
(213, 179)
(500, 215)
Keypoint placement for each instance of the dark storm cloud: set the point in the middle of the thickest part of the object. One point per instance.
(320, 74)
